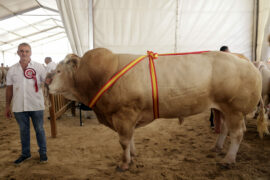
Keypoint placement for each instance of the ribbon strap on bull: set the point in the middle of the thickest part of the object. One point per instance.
(153, 76)
(30, 73)
(114, 79)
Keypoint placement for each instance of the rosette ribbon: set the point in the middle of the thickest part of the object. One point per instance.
(30, 73)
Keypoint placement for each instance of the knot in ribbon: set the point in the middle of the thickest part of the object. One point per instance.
(152, 55)
(30, 73)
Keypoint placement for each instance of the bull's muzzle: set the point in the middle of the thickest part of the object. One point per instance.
(49, 79)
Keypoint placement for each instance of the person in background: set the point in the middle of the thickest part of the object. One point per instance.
(211, 119)
(50, 64)
(3, 74)
(24, 81)
(224, 49)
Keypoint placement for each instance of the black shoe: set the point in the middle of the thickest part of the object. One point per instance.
(43, 158)
(22, 159)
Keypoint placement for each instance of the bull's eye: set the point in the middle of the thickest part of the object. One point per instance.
(58, 71)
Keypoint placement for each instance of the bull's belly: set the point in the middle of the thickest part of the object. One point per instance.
(182, 103)
(176, 108)
(185, 108)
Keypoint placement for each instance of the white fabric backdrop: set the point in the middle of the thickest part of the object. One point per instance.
(77, 23)
(209, 24)
(134, 26)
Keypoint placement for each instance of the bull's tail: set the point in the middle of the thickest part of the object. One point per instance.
(262, 124)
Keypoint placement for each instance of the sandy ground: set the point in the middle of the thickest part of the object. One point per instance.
(165, 150)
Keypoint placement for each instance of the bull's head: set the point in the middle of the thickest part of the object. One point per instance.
(62, 80)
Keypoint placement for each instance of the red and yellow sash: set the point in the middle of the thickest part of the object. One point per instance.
(153, 76)
(125, 69)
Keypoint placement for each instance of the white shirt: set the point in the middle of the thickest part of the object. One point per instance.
(51, 66)
(25, 97)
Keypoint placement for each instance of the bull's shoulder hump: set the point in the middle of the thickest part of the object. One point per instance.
(98, 51)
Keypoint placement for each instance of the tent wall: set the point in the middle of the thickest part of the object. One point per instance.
(263, 50)
(209, 24)
(76, 19)
(135, 26)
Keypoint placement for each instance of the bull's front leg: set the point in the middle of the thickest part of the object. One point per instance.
(126, 159)
(124, 123)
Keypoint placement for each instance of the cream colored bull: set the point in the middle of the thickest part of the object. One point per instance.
(187, 85)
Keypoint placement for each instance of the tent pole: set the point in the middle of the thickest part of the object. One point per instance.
(255, 30)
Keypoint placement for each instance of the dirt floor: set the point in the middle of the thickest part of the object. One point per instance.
(165, 150)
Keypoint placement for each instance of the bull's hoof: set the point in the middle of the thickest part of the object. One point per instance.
(226, 166)
(122, 168)
(216, 149)
(118, 169)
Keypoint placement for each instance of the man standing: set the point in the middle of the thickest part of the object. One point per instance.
(24, 88)
(3, 73)
(50, 65)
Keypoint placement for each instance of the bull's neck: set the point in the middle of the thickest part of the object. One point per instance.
(87, 85)
(84, 89)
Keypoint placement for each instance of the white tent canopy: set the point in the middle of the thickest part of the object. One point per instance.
(135, 26)
(35, 22)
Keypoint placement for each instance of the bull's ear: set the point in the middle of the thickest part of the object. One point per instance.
(73, 61)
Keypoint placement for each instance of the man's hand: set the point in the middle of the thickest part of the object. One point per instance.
(9, 95)
(8, 112)
(48, 81)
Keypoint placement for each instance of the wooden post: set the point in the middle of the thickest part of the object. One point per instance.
(53, 117)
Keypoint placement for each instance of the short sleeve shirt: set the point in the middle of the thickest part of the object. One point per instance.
(51, 66)
(25, 97)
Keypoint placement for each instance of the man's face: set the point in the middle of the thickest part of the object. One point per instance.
(47, 61)
(24, 52)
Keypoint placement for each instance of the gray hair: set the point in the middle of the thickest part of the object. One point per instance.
(24, 44)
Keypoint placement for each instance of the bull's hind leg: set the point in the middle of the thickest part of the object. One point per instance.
(236, 126)
(223, 133)
(124, 123)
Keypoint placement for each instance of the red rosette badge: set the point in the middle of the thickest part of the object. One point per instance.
(30, 73)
